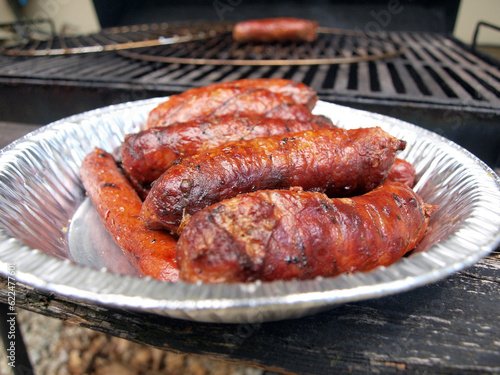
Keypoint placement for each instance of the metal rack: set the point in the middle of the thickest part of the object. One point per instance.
(112, 39)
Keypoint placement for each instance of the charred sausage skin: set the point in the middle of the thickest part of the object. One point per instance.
(293, 234)
(337, 161)
(149, 153)
(280, 29)
(119, 206)
(249, 97)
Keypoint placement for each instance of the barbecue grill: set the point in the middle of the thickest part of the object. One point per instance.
(426, 78)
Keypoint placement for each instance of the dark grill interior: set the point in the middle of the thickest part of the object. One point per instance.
(432, 79)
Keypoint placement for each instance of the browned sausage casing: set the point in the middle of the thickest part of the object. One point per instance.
(292, 234)
(248, 97)
(337, 161)
(402, 171)
(281, 29)
(149, 153)
(118, 206)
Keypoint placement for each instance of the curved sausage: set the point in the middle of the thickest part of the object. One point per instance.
(204, 101)
(281, 29)
(292, 234)
(149, 153)
(337, 161)
(118, 206)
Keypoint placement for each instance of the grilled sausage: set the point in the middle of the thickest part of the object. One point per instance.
(205, 101)
(338, 161)
(281, 29)
(149, 153)
(118, 206)
(292, 234)
(402, 171)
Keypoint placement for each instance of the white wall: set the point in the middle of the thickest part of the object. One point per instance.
(470, 13)
(6, 13)
(75, 16)
(72, 16)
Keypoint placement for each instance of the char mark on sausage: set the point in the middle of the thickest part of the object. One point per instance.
(336, 161)
(247, 97)
(292, 234)
(149, 153)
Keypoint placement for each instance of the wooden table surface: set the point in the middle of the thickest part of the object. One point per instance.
(449, 327)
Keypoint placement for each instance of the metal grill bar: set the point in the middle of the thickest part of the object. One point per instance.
(137, 36)
(222, 50)
(433, 69)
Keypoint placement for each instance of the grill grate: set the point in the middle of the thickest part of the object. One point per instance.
(433, 69)
(112, 39)
(208, 43)
(333, 46)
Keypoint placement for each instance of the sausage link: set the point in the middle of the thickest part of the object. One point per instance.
(337, 161)
(149, 153)
(118, 206)
(402, 171)
(292, 234)
(204, 101)
(281, 29)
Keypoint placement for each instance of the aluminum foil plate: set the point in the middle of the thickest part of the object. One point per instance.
(51, 233)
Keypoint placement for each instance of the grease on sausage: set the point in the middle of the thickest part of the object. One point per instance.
(248, 97)
(292, 234)
(337, 161)
(149, 153)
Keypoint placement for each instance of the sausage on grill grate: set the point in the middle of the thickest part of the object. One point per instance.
(280, 29)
